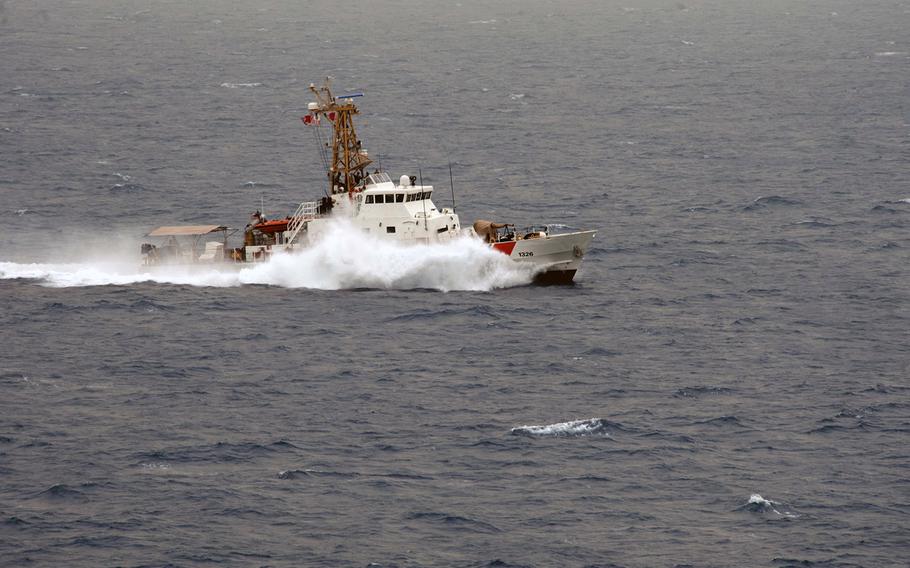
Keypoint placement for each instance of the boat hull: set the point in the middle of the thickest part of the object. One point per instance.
(558, 256)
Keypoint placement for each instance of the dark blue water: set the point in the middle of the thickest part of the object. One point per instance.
(736, 341)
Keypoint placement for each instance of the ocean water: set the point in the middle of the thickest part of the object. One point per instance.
(726, 384)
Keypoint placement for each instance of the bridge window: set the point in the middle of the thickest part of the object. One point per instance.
(390, 229)
(399, 198)
(369, 199)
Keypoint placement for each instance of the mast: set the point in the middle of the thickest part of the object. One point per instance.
(347, 168)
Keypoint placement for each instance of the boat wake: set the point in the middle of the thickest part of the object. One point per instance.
(344, 259)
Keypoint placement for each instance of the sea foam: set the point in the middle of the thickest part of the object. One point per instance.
(573, 428)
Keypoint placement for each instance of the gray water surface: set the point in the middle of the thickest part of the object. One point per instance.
(738, 329)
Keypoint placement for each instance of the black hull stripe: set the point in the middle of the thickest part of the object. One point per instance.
(554, 278)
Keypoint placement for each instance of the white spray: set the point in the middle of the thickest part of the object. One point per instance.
(345, 258)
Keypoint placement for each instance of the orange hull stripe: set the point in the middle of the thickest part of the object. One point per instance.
(505, 248)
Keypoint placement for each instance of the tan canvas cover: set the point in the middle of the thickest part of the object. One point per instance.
(487, 229)
(181, 230)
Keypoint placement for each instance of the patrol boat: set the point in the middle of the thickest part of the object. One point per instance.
(374, 203)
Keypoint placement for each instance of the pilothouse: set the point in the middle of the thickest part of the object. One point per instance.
(403, 212)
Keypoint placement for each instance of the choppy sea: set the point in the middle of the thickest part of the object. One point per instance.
(726, 384)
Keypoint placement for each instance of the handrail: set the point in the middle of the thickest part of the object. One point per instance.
(306, 211)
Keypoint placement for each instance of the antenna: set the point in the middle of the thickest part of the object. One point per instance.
(452, 185)
(424, 201)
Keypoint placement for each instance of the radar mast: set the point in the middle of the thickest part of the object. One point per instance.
(347, 168)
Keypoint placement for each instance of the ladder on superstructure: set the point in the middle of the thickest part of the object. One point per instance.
(305, 212)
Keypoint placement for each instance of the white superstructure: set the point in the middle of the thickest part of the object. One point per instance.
(403, 212)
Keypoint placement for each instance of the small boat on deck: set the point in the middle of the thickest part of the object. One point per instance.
(375, 204)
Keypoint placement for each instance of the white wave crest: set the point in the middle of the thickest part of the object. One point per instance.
(344, 259)
(240, 85)
(759, 504)
(756, 499)
(588, 427)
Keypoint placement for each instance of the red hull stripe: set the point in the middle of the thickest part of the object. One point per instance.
(505, 248)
